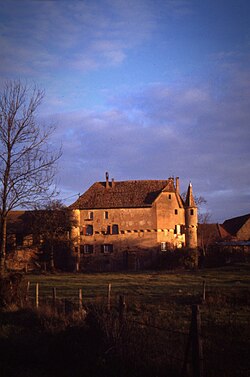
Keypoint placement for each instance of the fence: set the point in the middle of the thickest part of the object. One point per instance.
(197, 347)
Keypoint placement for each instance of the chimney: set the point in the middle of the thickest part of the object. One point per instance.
(107, 179)
(113, 183)
(177, 185)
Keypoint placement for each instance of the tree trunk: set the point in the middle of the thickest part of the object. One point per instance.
(52, 265)
(3, 237)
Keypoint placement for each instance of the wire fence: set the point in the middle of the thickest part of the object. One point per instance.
(198, 346)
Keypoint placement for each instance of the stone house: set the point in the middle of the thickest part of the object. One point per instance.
(232, 235)
(124, 223)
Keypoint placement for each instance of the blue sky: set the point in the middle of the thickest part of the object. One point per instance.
(144, 89)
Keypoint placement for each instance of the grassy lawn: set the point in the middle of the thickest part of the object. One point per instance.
(144, 287)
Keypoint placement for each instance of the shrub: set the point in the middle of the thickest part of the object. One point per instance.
(10, 290)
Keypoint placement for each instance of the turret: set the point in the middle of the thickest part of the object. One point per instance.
(191, 219)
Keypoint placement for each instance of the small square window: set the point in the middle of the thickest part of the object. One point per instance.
(115, 229)
(163, 246)
(87, 249)
(107, 248)
(89, 230)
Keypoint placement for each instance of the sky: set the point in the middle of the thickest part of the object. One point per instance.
(143, 89)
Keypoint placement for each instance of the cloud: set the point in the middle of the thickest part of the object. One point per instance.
(81, 35)
(162, 130)
(84, 36)
(194, 126)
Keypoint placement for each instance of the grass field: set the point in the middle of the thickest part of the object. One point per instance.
(145, 287)
(153, 337)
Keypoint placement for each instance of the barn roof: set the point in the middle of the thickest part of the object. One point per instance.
(16, 221)
(123, 194)
(235, 224)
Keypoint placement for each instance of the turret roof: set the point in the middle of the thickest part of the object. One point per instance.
(190, 202)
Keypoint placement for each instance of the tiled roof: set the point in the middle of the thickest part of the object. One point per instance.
(212, 233)
(224, 234)
(233, 225)
(209, 230)
(123, 194)
(16, 221)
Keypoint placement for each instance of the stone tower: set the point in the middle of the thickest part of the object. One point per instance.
(191, 219)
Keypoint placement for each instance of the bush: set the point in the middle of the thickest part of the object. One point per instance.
(174, 259)
(10, 290)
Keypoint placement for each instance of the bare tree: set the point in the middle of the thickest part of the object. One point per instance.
(200, 201)
(27, 162)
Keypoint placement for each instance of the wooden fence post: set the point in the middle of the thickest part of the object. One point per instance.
(37, 295)
(54, 298)
(194, 344)
(109, 297)
(122, 309)
(197, 352)
(80, 300)
(204, 291)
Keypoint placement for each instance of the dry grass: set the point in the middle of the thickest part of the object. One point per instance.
(153, 336)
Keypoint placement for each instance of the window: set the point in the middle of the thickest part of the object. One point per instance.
(169, 196)
(107, 248)
(163, 246)
(177, 229)
(91, 215)
(115, 229)
(89, 230)
(191, 212)
(106, 215)
(108, 230)
(87, 249)
(176, 211)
